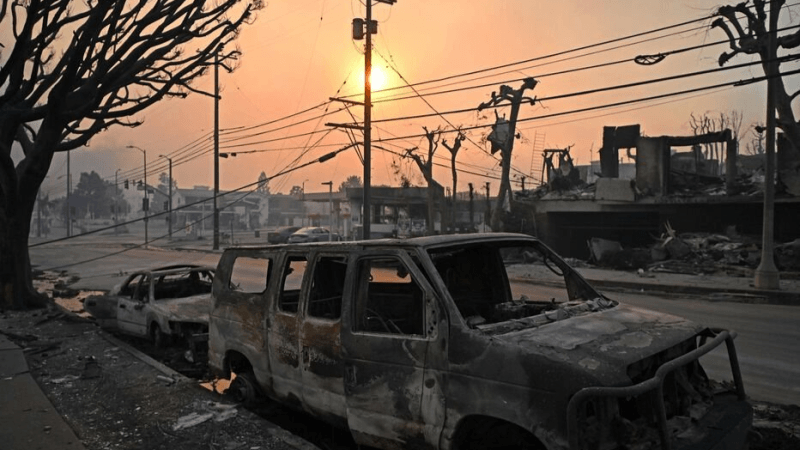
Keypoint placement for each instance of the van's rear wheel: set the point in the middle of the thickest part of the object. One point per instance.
(244, 389)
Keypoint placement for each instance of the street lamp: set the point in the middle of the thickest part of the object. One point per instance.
(169, 217)
(330, 209)
(146, 203)
(303, 199)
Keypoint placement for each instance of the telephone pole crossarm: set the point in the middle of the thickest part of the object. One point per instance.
(345, 125)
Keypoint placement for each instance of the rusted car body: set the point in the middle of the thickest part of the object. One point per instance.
(430, 343)
(168, 304)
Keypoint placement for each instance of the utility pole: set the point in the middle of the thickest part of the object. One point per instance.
(471, 208)
(488, 208)
(169, 217)
(116, 203)
(366, 218)
(505, 143)
(766, 275)
(330, 209)
(69, 206)
(146, 201)
(358, 34)
(216, 149)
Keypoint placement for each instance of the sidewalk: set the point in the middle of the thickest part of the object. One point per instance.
(29, 421)
(711, 287)
(75, 387)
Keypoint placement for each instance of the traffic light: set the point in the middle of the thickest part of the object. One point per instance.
(126, 184)
(166, 205)
(145, 204)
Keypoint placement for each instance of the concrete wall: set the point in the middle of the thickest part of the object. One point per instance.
(652, 166)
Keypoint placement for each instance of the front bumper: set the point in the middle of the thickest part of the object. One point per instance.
(723, 427)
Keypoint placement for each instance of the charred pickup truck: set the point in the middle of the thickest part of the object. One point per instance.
(432, 343)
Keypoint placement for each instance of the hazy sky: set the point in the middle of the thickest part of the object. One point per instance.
(299, 53)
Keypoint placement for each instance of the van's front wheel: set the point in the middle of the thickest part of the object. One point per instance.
(244, 389)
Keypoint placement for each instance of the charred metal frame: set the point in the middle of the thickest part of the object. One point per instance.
(657, 383)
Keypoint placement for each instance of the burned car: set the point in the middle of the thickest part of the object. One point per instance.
(434, 342)
(167, 305)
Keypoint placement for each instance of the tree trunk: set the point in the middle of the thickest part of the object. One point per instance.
(15, 268)
(20, 187)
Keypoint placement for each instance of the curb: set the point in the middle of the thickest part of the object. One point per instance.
(757, 296)
(710, 294)
(287, 437)
(177, 376)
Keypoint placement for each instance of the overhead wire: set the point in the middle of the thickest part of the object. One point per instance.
(135, 173)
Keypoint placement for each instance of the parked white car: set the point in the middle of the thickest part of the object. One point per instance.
(168, 304)
(312, 234)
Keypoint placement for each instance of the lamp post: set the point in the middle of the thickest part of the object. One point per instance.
(303, 199)
(169, 217)
(330, 208)
(146, 203)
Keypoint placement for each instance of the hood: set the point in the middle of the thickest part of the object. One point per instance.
(603, 344)
(188, 309)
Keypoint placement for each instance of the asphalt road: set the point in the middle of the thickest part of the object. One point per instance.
(767, 334)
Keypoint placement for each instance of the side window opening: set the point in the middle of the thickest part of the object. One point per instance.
(292, 281)
(250, 274)
(327, 287)
(388, 299)
(143, 289)
(129, 288)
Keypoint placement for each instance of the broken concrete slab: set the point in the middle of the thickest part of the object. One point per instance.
(614, 189)
(600, 248)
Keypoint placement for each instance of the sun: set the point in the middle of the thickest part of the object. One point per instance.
(379, 78)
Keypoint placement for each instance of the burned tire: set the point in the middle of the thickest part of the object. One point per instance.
(244, 389)
(160, 339)
(497, 435)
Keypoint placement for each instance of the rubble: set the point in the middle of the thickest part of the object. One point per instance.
(695, 253)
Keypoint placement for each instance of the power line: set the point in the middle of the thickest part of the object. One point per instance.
(598, 90)
(621, 103)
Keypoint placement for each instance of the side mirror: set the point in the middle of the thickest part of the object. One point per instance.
(139, 306)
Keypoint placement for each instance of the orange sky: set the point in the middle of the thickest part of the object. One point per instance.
(299, 53)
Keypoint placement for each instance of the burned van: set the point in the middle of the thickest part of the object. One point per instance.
(435, 342)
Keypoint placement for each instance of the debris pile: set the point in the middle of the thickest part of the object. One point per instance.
(694, 253)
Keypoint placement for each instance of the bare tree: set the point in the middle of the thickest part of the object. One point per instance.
(708, 123)
(453, 152)
(78, 68)
(749, 36)
(426, 167)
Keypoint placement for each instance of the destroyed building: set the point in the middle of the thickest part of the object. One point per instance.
(673, 182)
